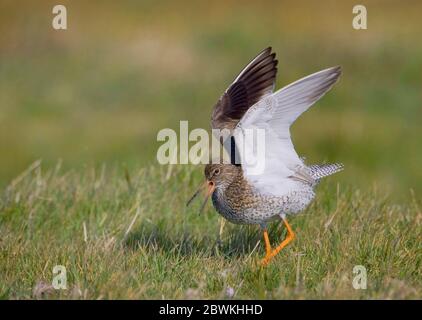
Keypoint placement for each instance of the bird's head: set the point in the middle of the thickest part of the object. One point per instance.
(217, 177)
(214, 175)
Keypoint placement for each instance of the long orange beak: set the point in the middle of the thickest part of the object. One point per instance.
(209, 186)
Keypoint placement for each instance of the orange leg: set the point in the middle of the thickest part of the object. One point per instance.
(272, 253)
(267, 242)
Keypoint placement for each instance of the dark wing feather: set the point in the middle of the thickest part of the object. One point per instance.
(255, 81)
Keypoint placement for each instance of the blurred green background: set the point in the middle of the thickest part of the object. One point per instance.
(100, 91)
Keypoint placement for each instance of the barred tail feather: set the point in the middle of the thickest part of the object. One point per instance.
(319, 171)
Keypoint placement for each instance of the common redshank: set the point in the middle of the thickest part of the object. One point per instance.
(286, 184)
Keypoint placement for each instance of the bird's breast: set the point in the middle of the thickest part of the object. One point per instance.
(247, 207)
(243, 207)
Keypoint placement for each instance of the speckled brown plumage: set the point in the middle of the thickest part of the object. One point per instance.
(237, 201)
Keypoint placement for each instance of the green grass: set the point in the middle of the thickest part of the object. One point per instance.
(142, 242)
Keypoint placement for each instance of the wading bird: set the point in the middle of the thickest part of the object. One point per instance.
(286, 184)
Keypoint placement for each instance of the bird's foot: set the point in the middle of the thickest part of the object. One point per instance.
(272, 253)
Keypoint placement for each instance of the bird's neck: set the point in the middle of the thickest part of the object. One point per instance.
(234, 175)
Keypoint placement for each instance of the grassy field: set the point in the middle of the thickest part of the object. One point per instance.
(133, 237)
(89, 101)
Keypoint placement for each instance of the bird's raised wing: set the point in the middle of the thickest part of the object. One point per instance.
(255, 81)
(275, 113)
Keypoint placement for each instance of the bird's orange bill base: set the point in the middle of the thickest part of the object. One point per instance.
(211, 186)
(272, 253)
(210, 189)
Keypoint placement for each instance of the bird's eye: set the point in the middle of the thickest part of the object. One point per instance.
(216, 172)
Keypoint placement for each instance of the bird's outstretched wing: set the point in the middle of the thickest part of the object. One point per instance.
(275, 113)
(255, 81)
